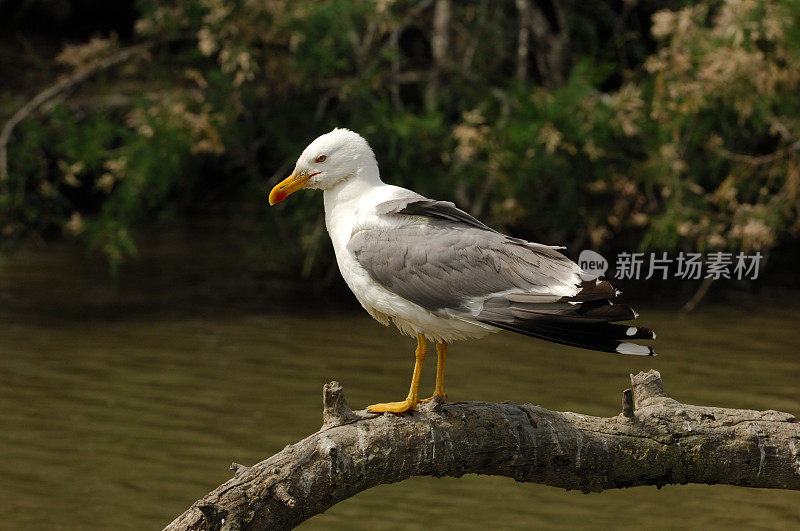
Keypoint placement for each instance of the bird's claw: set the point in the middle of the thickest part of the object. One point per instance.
(443, 397)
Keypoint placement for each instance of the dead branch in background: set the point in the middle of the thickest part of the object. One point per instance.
(550, 42)
(523, 38)
(698, 296)
(51, 92)
(440, 44)
(654, 441)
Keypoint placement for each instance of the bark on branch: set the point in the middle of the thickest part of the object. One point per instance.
(654, 441)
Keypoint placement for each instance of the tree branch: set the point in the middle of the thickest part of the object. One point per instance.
(65, 84)
(698, 296)
(523, 38)
(440, 42)
(655, 441)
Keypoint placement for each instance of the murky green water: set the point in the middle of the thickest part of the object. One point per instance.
(120, 420)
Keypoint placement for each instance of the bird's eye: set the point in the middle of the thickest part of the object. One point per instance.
(321, 158)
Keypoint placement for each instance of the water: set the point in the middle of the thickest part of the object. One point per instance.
(118, 409)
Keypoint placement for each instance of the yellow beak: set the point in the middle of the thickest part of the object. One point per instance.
(287, 187)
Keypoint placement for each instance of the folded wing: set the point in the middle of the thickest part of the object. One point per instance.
(451, 264)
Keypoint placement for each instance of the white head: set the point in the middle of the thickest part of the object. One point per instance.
(327, 161)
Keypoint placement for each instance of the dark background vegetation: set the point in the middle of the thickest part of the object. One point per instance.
(612, 125)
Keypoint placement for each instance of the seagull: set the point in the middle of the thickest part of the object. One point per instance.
(440, 275)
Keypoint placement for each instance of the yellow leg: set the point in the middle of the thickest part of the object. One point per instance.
(411, 401)
(441, 357)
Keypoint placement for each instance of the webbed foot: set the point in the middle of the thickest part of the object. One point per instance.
(398, 408)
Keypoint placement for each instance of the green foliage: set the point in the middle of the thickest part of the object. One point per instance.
(684, 135)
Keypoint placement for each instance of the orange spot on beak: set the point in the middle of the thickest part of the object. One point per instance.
(287, 187)
(276, 197)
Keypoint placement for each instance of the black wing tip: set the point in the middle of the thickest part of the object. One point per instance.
(638, 332)
(603, 338)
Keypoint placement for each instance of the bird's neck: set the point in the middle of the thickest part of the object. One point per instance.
(346, 192)
(343, 201)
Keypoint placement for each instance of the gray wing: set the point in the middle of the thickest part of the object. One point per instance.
(453, 265)
(448, 267)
